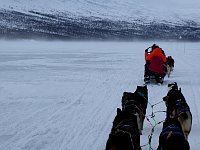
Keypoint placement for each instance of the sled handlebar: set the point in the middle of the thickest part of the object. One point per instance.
(146, 50)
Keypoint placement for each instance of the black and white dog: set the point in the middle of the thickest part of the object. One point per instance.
(128, 123)
(177, 107)
(170, 65)
(172, 136)
(136, 103)
(124, 133)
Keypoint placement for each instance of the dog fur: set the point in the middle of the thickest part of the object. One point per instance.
(128, 123)
(124, 133)
(177, 107)
(170, 65)
(136, 103)
(172, 136)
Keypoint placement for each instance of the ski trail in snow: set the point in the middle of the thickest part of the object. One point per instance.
(33, 127)
(186, 74)
(66, 98)
(190, 70)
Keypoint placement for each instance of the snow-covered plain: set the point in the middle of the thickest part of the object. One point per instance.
(64, 95)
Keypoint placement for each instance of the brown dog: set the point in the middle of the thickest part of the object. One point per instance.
(170, 65)
(172, 136)
(124, 134)
(136, 103)
(177, 107)
(128, 123)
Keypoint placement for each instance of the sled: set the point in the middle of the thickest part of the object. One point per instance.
(156, 70)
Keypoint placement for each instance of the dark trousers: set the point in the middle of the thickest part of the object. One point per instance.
(146, 70)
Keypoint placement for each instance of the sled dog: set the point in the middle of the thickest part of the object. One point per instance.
(124, 134)
(136, 103)
(172, 136)
(170, 65)
(177, 107)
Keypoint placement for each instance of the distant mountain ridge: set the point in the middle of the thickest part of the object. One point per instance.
(16, 23)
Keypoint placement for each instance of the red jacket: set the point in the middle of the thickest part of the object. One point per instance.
(156, 52)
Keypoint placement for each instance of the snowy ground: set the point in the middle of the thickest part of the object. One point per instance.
(63, 96)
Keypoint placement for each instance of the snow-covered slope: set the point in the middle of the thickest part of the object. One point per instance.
(125, 10)
(64, 96)
(103, 18)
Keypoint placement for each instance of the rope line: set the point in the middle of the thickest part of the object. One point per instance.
(154, 124)
(152, 116)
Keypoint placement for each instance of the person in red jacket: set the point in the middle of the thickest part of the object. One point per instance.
(156, 51)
